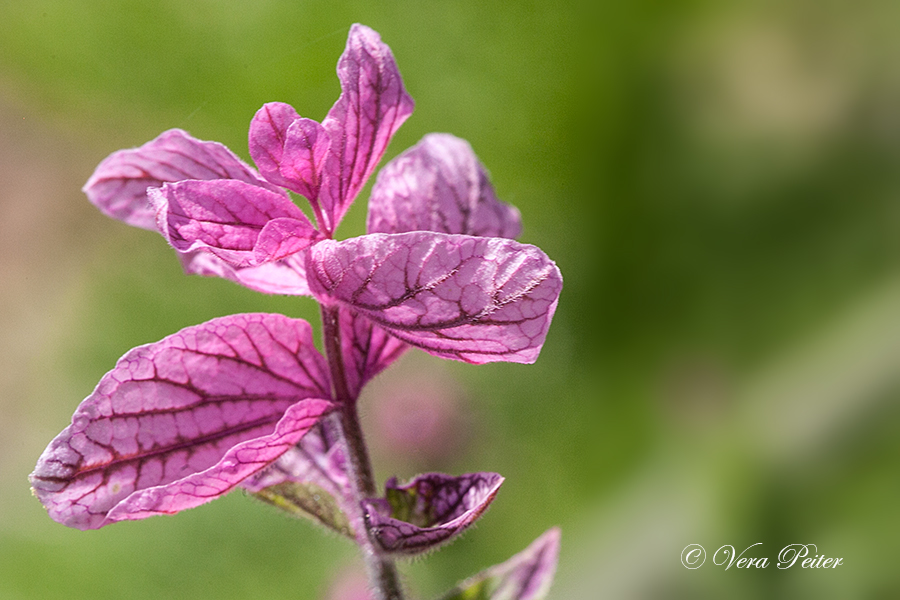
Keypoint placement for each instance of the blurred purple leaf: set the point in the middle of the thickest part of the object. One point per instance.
(526, 576)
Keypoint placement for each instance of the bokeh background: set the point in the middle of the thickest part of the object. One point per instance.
(718, 181)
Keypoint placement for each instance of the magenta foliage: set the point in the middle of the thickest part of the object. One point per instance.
(247, 400)
(119, 185)
(528, 574)
(439, 185)
(329, 163)
(525, 576)
(455, 296)
(290, 151)
(242, 224)
(182, 421)
(429, 510)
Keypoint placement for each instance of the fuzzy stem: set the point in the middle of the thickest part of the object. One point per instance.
(383, 577)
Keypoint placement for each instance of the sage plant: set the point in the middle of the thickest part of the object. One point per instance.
(247, 400)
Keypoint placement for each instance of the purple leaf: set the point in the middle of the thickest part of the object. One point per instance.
(286, 276)
(119, 184)
(311, 479)
(439, 185)
(366, 349)
(243, 224)
(318, 458)
(429, 510)
(184, 420)
(289, 150)
(468, 298)
(526, 576)
(372, 106)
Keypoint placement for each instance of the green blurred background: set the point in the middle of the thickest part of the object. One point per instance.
(718, 181)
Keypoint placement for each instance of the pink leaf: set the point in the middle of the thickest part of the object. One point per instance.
(468, 298)
(429, 510)
(241, 460)
(439, 185)
(526, 576)
(243, 224)
(184, 420)
(289, 150)
(366, 348)
(119, 184)
(372, 106)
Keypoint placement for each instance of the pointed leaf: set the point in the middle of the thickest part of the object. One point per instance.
(366, 348)
(242, 224)
(429, 510)
(372, 106)
(439, 185)
(289, 150)
(468, 298)
(311, 479)
(526, 576)
(184, 420)
(119, 185)
(286, 276)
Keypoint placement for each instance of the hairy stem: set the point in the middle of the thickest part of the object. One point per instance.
(383, 577)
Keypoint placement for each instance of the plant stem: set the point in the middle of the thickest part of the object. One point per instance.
(383, 577)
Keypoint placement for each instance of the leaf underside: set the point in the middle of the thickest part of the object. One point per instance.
(307, 500)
